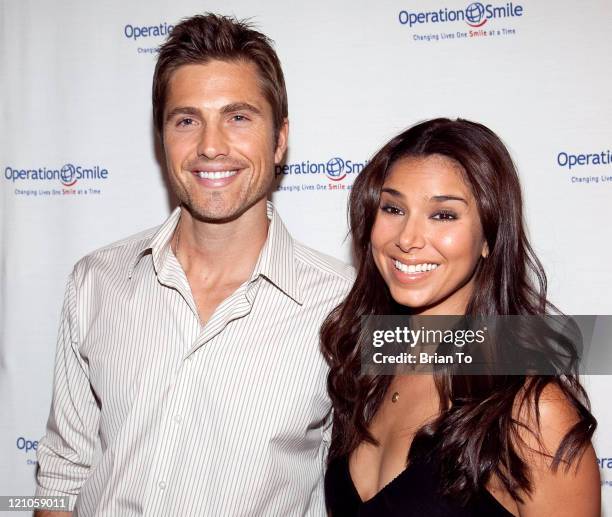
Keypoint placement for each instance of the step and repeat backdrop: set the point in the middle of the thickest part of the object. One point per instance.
(81, 168)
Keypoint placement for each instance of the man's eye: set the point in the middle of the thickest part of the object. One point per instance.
(445, 215)
(239, 118)
(185, 122)
(390, 209)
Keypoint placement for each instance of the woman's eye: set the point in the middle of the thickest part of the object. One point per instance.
(390, 209)
(445, 216)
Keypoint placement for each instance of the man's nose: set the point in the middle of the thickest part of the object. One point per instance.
(213, 142)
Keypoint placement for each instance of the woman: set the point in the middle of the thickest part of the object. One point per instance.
(437, 225)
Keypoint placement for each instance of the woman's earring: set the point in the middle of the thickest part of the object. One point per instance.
(485, 250)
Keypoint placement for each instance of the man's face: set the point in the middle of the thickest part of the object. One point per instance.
(218, 136)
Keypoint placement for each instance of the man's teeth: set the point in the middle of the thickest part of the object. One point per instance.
(414, 268)
(215, 175)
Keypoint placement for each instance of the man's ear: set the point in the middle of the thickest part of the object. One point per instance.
(281, 142)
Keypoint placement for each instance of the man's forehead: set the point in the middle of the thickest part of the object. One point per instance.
(221, 81)
(216, 69)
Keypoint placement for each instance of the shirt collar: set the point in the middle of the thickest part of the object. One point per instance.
(276, 261)
(158, 244)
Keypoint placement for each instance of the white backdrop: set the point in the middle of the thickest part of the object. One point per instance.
(75, 104)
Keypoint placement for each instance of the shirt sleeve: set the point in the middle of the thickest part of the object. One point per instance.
(67, 451)
(316, 506)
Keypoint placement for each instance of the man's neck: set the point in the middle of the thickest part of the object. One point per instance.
(221, 252)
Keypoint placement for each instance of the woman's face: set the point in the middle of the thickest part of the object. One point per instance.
(427, 238)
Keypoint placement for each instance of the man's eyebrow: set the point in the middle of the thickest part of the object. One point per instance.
(240, 106)
(447, 197)
(182, 110)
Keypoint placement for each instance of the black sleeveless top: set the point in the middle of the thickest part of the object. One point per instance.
(414, 493)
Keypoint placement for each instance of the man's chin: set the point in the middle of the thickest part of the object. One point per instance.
(220, 215)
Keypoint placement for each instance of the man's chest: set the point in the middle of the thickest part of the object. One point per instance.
(151, 358)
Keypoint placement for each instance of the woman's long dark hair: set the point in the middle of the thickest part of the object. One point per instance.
(475, 435)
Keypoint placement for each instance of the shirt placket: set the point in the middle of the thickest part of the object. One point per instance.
(176, 412)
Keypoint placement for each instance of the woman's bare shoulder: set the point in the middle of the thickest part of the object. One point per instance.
(570, 488)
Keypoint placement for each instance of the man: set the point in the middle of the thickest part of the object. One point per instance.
(188, 378)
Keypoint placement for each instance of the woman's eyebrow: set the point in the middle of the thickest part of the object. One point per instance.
(393, 192)
(447, 197)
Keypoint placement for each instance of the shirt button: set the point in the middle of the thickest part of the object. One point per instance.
(178, 419)
(161, 485)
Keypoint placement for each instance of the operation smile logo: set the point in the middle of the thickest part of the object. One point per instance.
(605, 464)
(68, 175)
(27, 446)
(475, 15)
(335, 170)
(65, 178)
(145, 32)
(582, 166)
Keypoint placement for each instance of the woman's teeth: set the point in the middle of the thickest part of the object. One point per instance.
(414, 268)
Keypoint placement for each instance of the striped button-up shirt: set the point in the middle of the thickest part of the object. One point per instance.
(154, 413)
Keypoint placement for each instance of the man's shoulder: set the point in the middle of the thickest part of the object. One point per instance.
(118, 257)
(323, 264)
